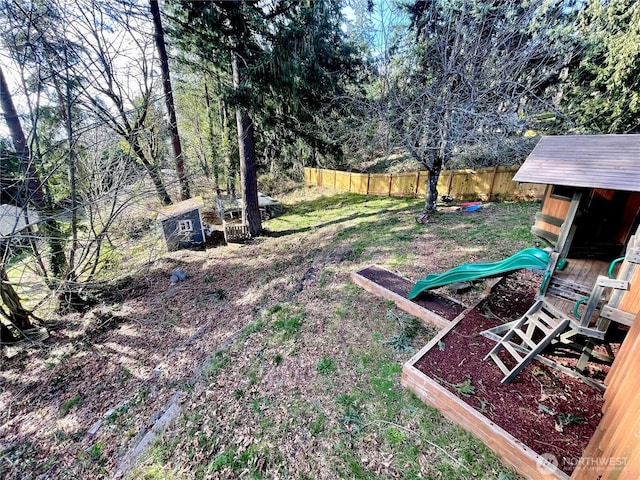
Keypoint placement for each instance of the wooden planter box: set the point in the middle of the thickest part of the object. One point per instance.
(510, 450)
(362, 279)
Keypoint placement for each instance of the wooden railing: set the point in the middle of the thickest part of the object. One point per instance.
(495, 183)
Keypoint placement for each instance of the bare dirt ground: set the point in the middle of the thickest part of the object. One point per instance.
(273, 361)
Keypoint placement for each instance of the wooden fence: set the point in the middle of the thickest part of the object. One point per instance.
(495, 183)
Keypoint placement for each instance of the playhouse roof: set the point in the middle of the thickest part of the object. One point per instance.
(591, 161)
(180, 208)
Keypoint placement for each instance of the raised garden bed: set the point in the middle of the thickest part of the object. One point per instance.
(429, 307)
(542, 414)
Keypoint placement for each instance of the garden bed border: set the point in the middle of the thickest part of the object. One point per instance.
(511, 451)
(401, 302)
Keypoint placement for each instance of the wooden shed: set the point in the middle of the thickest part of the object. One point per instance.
(182, 225)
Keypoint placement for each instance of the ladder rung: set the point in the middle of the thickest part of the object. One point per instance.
(514, 353)
(546, 329)
(499, 363)
(549, 321)
(526, 339)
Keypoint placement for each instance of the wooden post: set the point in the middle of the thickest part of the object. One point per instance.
(450, 182)
(568, 227)
(415, 190)
(368, 182)
(493, 181)
(390, 182)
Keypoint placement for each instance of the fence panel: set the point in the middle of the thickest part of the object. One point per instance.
(379, 184)
(343, 181)
(493, 183)
(403, 184)
(360, 183)
(423, 177)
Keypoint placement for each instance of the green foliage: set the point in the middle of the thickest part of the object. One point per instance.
(603, 85)
(566, 419)
(219, 361)
(288, 325)
(317, 425)
(410, 327)
(69, 404)
(292, 68)
(466, 388)
(326, 366)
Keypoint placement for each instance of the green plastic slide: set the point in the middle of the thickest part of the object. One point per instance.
(527, 258)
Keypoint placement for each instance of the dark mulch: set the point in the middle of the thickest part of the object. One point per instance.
(548, 411)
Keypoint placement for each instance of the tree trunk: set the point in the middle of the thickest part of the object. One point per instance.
(212, 144)
(18, 315)
(231, 166)
(168, 95)
(430, 204)
(34, 186)
(153, 173)
(246, 148)
(6, 335)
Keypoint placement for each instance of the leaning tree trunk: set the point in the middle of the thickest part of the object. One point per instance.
(246, 148)
(151, 169)
(168, 95)
(18, 315)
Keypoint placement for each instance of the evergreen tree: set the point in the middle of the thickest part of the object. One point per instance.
(602, 90)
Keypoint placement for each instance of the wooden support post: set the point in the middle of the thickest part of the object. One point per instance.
(415, 190)
(390, 183)
(568, 227)
(368, 182)
(493, 181)
(450, 182)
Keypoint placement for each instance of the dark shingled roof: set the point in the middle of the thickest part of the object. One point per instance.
(591, 161)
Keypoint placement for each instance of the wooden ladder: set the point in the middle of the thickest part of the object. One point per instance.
(528, 336)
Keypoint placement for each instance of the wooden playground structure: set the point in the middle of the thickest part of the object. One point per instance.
(589, 223)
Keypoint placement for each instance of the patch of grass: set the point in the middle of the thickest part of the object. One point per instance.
(238, 393)
(153, 472)
(400, 259)
(317, 425)
(252, 327)
(394, 436)
(325, 277)
(69, 404)
(355, 409)
(288, 325)
(218, 294)
(326, 366)
(219, 361)
(409, 329)
(124, 374)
